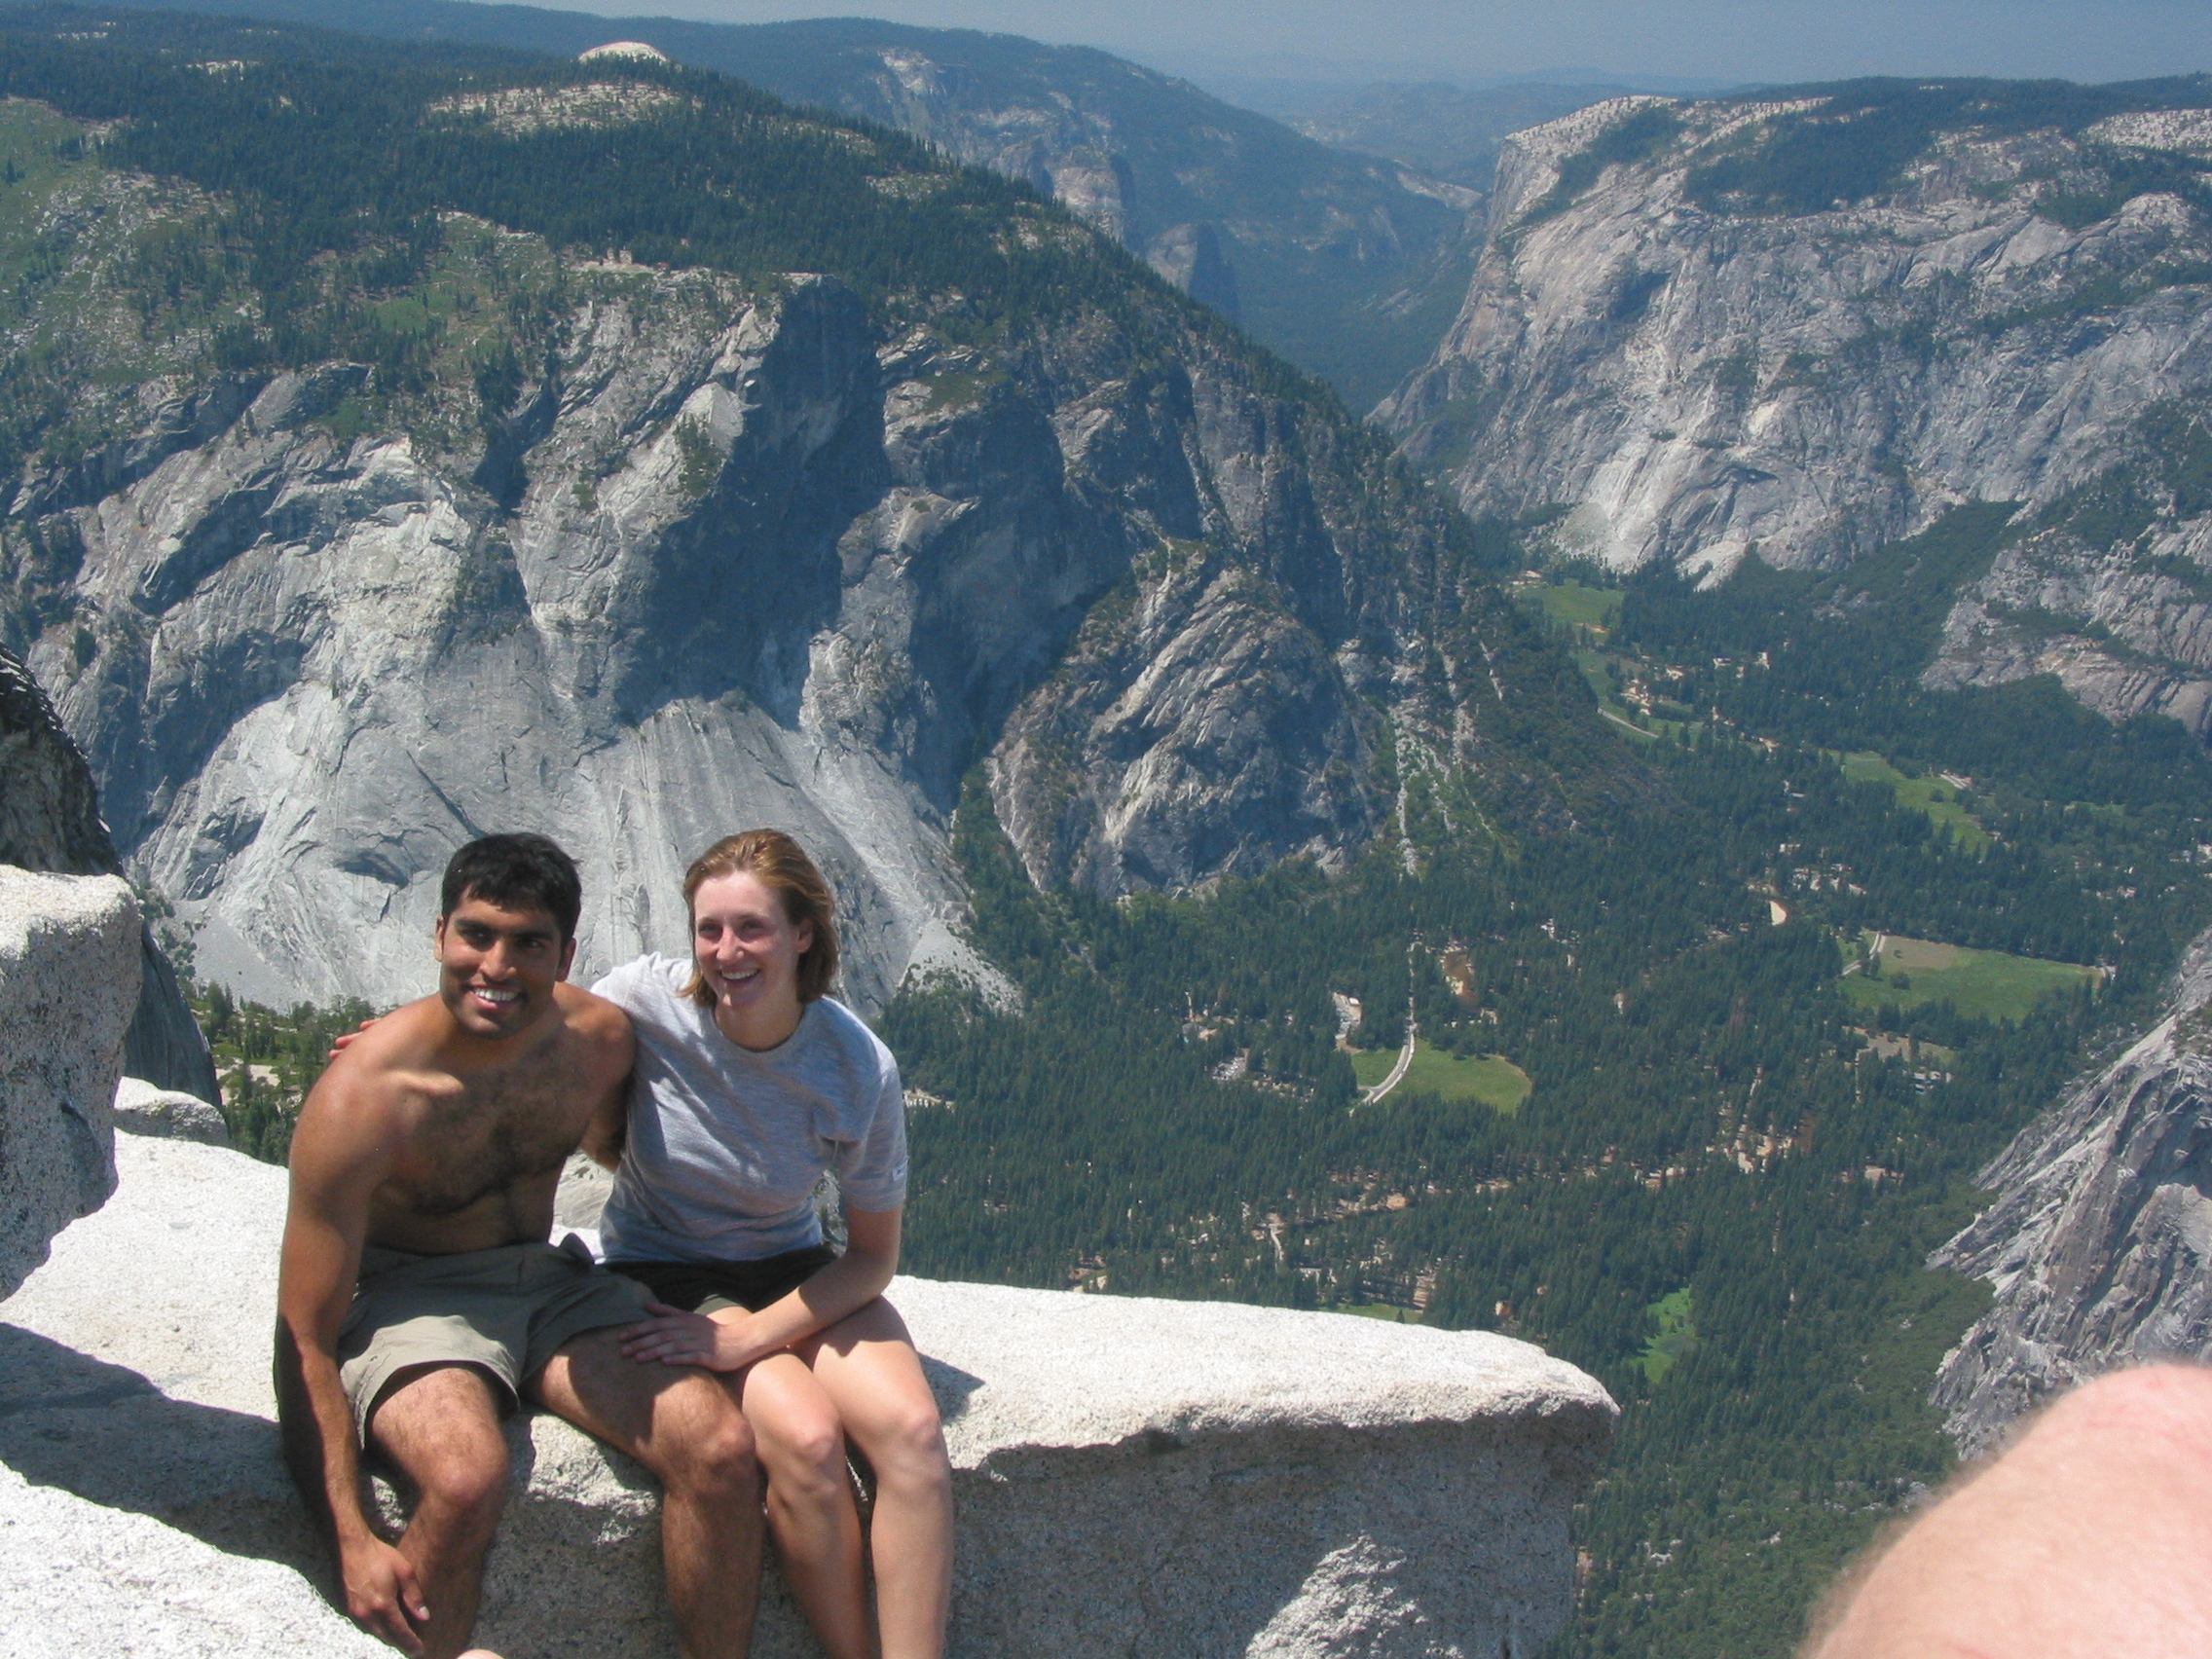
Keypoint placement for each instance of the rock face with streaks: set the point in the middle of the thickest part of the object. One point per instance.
(1156, 1478)
(1688, 341)
(725, 557)
(68, 981)
(2099, 1243)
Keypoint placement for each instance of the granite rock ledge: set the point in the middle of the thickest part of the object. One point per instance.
(68, 981)
(1133, 1477)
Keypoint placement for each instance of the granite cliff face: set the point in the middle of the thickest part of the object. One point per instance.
(722, 553)
(1694, 370)
(2100, 1239)
(68, 945)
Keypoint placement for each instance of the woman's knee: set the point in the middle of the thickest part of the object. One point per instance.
(804, 1448)
(906, 1441)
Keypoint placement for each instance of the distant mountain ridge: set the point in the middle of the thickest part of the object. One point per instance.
(1451, 132)
(1348, 264)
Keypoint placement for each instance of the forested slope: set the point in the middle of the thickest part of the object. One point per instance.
(1349, 265)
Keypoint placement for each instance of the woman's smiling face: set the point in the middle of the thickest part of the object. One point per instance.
(747, 950)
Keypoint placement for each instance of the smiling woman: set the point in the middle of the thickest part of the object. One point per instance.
(752, 1083)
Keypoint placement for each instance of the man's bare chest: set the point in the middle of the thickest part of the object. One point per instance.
(487, 1134)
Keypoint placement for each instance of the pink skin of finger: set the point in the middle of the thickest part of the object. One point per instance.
(673, 1337)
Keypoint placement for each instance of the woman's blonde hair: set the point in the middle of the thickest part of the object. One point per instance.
(779, 865)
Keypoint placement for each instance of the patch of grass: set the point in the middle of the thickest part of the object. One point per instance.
(1675, 1337)
(1492, 1080)
(957, 391)
(1573, 606)
(1931, 796)
(1982, 984)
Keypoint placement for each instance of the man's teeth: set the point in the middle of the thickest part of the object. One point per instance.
(486, 994)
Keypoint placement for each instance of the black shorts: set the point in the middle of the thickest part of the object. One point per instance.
(702, 1287)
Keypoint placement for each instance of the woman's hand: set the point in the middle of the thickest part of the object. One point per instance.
(673, 1337)
(344, 1039)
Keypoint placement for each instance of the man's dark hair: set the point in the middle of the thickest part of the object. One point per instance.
(516, 872)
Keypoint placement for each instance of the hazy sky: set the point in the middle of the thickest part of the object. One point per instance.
(1781, 40)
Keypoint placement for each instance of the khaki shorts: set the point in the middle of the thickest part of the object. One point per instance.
(505, 1312)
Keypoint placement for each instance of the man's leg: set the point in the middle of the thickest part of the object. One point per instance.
(2088, 1538)
(810, 1499)
(440, 1427)
(865, 1363)
(683, 1426)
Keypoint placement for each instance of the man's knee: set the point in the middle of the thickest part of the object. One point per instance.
(701, 1440)
(467, 1485)
(442, 1429)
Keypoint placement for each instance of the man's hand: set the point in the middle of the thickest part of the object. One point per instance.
(382, 1593)
(674, 1337)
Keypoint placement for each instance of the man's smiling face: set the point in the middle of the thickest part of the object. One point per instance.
(498, 966)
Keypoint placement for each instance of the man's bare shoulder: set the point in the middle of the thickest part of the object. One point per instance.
(370, 1092)
(599, 1029)
(381, 1063)
(405, 1039)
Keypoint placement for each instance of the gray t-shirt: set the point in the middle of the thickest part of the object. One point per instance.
(726, 1146)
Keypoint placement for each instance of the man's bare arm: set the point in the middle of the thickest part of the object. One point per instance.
(343, 1148)
(614, 1049)
(610, 1125)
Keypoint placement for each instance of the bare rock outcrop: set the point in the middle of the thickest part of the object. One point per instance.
(144, 1109)
(50, 820)
(1151, 1477)
(2099, 1243)
(68, 981)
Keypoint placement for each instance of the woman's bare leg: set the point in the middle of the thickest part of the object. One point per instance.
(867, 1367)
(801, 1447)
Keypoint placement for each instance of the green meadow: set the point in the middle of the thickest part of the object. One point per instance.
(1570, 604)
(1675, 1337)
(1983, 985)
(1931, 796)
(1493, 1080)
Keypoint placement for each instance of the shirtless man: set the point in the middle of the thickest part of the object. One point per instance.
(424, 1167)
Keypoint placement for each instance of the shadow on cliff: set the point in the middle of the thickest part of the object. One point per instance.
(108, 1435)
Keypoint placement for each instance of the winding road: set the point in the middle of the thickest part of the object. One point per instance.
(1398, 1071)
